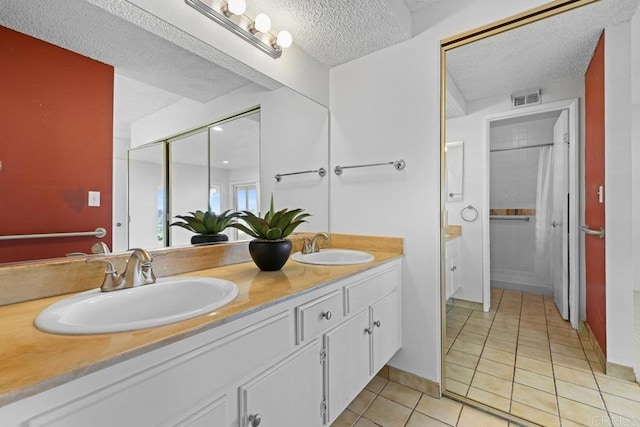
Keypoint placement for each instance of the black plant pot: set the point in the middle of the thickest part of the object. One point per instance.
(208, 238)
(270, 255)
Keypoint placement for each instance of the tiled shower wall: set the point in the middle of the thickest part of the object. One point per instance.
(514, 176)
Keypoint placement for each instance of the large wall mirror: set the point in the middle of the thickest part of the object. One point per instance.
(515, 94)
(187, 135)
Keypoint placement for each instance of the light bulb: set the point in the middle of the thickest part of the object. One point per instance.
(262, 23)
(237, 7)
(284, 39)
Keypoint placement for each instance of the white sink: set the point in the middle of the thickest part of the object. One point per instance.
(333, 257)
(160, 303)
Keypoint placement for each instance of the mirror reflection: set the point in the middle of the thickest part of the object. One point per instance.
(512, 277)
(76, 119)
(216, 167)
(455, 170)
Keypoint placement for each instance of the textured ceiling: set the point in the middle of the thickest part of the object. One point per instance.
(415, 5)
(335, 31)
(134, 100)
(554, 49)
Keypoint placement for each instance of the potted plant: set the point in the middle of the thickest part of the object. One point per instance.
(270, 247)
(207, 225)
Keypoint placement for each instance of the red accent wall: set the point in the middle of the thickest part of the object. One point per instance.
(56, 139)
(594, 210)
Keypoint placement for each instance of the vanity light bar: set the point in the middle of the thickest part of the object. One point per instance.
(273, 49)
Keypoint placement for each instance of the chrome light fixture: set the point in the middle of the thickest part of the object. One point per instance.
(230, 14)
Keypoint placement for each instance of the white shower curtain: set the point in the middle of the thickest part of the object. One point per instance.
(544, 214)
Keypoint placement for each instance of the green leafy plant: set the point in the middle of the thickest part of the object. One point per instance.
(200, 222)
(274, 225)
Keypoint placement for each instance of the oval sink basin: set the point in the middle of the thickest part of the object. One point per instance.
(160, 303)
(333, 257)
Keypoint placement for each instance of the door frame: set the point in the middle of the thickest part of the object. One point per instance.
(572, 106)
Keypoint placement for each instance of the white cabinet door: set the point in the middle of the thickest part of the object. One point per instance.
(347, 362)
(453, 258)
(385, 321)
(287, 395)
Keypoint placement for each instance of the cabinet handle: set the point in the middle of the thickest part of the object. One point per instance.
(369, 331)
(326, 315)
(376, 323)
(255, 420)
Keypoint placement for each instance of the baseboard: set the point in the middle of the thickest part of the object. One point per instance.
(612, 369)
(455, 302)
(413, 381)
(522, 287)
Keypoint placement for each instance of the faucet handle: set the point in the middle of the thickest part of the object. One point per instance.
(110, 267)
(111, 281)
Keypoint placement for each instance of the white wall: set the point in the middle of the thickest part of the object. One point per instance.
(193, 182)
(294, 135)
(470, 129)
(143, 208)
(635, 182)
(618, 191)
(120, 174)
(386, 106)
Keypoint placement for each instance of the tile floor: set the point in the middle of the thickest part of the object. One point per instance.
(389, 404)
(520, 357)
(523, 358)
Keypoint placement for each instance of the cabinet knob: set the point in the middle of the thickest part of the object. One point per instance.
(454, 268)
(255, 420)
(377, 323)
(369, 331)
(326, 315)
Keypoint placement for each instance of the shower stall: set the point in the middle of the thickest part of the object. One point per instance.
(528, 201)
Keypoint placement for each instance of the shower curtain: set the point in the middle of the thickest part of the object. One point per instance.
(544, 214)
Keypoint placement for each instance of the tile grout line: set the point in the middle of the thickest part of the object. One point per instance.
(553, 371)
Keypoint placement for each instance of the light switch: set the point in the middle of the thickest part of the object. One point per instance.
(94, 198)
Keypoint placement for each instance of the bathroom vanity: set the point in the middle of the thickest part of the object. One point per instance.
(294, 348)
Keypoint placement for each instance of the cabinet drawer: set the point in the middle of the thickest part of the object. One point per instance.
(360, 294)
(318, 315)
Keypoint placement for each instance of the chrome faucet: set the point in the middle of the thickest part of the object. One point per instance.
(137, 272)
(311, 246)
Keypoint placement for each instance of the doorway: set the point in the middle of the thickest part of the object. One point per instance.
(531, 190)
(528, 205)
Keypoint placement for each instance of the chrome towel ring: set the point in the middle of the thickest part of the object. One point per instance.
(469, 213)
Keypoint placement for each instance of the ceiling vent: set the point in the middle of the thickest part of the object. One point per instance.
(526, 97)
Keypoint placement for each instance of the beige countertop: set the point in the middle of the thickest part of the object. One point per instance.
(452, 232)
(32, 361)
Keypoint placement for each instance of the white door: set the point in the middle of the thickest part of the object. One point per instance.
(559, 242)
(385, 321)
(289, 394)
(347, 365)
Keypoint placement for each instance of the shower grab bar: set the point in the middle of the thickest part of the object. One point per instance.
(322, 172)
(397, 164)
(586, 230)
(98, 232)
(511, 217)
